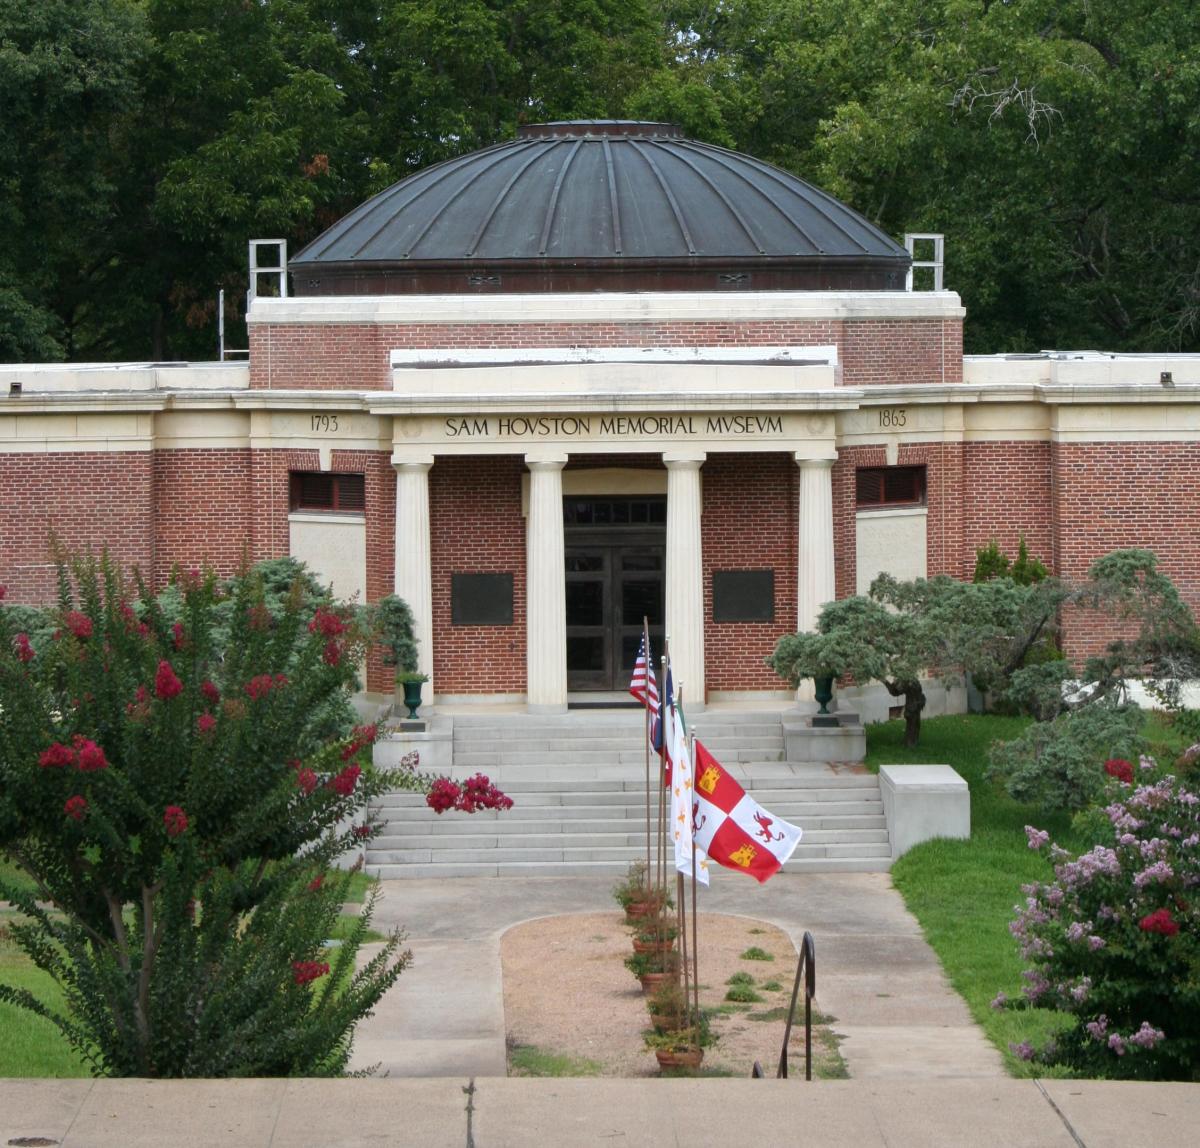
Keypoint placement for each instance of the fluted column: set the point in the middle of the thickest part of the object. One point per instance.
(545, 587)
(684, 575)
(414, 564)
(814, 567)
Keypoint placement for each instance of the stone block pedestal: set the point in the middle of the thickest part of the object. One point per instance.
(921, 802)
(805, 741)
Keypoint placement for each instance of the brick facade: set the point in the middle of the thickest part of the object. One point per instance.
(749, 522)
(477, 527)
(90, 501)
(356, 356)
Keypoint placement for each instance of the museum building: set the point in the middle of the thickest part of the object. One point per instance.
(599, 373)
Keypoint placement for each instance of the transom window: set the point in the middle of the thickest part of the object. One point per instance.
(886, 486)
(342, 493)
(616, 511)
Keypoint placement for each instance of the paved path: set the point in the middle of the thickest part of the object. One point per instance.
(875, 972)
(491, 1113)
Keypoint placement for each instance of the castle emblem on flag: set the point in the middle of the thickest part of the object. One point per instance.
(708, 779)
(743, 856)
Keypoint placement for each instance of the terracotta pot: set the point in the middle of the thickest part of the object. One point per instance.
(652, 946)
(679, 1058)
(639, 909)
(665, 1022)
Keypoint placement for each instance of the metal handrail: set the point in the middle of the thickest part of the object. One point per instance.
(806, 967)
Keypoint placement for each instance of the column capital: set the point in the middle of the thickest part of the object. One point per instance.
(412, 460)
(806, 463)
(683, 459)
(545, 460)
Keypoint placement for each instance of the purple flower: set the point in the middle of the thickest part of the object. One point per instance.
(1097, 1028)
(1117, 1043)
(1000, 1000)
(1147, 1037)
(1036, 838)
(1159, 871)
(1022, 1051)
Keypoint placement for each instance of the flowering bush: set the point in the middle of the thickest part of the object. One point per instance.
(1114, 939)
(176, 771)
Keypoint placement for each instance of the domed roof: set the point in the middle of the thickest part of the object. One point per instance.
(599, 205)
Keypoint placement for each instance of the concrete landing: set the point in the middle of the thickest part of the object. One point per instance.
(875, 972)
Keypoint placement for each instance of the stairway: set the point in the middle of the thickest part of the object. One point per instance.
(577, 781)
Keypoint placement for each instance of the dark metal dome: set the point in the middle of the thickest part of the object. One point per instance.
(599, 205)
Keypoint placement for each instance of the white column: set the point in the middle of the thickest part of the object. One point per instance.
(414, 564)
(545, 587)
(814, 564)
(684, 575)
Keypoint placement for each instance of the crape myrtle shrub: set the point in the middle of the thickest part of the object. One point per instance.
(177, 784)
(1114, 939)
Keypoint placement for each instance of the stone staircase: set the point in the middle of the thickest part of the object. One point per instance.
(577, 781)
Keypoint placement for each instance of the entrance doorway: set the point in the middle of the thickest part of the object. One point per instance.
(615, 560)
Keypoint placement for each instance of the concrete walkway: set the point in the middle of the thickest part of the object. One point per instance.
(875, 973)
(488, 1113)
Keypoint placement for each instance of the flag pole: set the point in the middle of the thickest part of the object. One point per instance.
(679, 890)
(695, 940)
(662, 811)
(646, 740)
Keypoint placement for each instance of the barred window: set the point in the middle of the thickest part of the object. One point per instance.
(313, 490)
(884, 486)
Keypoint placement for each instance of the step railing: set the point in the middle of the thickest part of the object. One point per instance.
(806, 967)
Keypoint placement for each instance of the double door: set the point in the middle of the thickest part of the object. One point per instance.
(613, 583)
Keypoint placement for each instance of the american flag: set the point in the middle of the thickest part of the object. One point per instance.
(643, 684)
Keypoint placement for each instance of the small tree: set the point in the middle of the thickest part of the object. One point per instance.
(171, 786)
(393, 624)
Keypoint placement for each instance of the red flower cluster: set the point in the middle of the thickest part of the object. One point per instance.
(206, 723)
(474, 794)
(362, 832)
(1160, 921)
(79, 624)
(23, 649)
(305, 971)
(262, 684)
(316, 883)
(57, 755)
(174, 820)
(1119, 768)
(343, 784)
(363, 736)
(180, 637)
(3, 591)
(306, 779)
(89, 754)
(139, 708)
(212, 695)
(327, 624)
(75, 807)
(332, 654)
(166, 684)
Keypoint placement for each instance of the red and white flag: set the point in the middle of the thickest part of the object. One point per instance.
(643, 684)
(682, 786)
(731, 827)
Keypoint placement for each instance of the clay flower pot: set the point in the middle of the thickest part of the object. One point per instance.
(689, 1057)
(651, 981)
(663, 946)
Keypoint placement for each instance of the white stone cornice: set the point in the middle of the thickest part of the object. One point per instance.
(606, 307)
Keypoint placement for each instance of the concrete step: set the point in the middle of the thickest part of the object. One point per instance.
(443, 842)
(751, 775)
(450, 826)
(598, 739)
(570, 852)
(633, 813)
(612, 869)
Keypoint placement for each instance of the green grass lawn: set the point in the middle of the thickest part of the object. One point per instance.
(963, 892)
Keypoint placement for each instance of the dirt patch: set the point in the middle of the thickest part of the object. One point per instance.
(567, 992)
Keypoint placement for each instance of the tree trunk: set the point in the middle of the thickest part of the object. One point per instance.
(914, 702)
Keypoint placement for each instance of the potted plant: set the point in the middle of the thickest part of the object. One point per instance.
(411, 682)
(682, 1047)
(654, 935)
(810, 655)
(652, 969)
(632, 887)
(667, 1007)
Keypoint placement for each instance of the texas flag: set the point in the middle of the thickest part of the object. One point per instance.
(731, 827)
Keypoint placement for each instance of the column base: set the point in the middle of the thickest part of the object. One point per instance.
(546, 707)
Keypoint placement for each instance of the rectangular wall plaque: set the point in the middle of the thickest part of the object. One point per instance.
(743, 595)
(481, 599)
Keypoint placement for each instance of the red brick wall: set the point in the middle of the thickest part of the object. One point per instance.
(90, 500)
(749, 522)
(355, 356)
(1112, 496)
(477, 527)
(1007, 493)
(202, 509)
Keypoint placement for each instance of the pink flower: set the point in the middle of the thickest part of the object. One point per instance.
(305, 971)
(442, 795)
(3, 592)
(174, 820)
(56, 756)
(212, 695)
(23, 649)
(206, 723)
(177, 631)
(91, 756)
(316, 883)
(75, 807)
(166, 684)
(332, 654)
(362, 832)
(79, 624)
(327, 624)
(1036, 837)
(306, 779)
